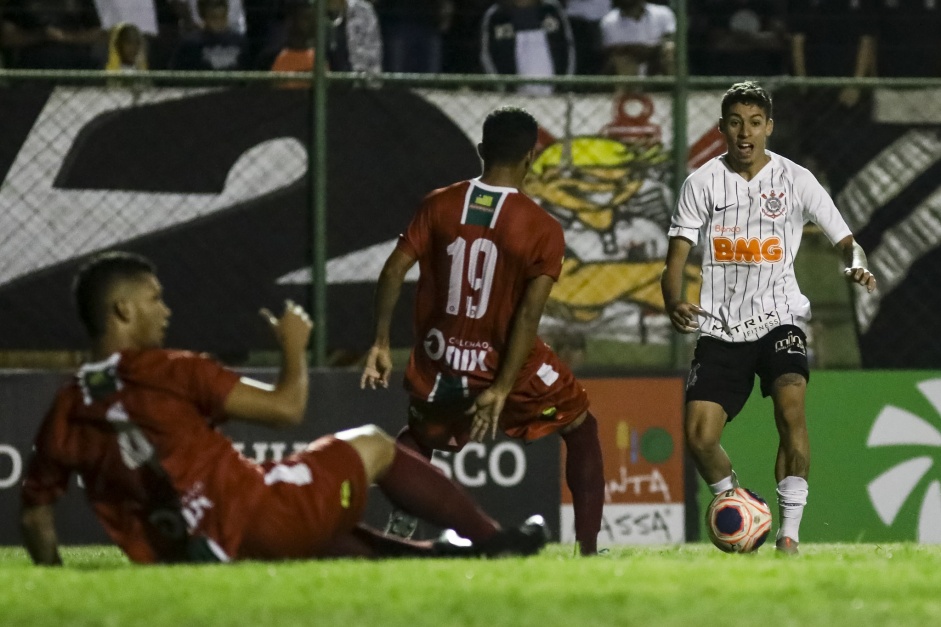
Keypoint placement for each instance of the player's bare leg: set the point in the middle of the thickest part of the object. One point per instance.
(702, 427)
(584, 475)
(793, 460)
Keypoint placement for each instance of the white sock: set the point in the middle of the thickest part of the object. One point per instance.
(724, 485)
(792, 497)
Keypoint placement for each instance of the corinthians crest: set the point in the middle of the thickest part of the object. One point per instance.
(772, 205)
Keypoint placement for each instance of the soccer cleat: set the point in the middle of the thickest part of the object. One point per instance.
(401, 524)
(450, 544)
(786, 546)
(527, 539)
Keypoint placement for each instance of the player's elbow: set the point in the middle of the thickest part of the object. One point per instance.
(289, 414)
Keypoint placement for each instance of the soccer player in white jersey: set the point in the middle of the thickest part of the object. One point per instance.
(748, 208)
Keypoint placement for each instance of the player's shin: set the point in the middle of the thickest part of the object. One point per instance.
(792, 497)
(412, 484)
(584, 474)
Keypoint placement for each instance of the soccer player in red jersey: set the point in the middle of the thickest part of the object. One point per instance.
(138, 424)
(489, 256)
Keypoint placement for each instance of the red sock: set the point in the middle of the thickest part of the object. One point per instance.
(584, 474)
(412, 484)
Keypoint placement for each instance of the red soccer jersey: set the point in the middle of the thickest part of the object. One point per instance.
(160, 403)
(477, 247)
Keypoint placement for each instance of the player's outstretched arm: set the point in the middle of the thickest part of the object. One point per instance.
(378, 366)
(285, 402)
(37, 523)
(489, 404)
(854, 257)
(683, 315)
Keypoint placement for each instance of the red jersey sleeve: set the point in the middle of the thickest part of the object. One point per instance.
(416, 240)
(199, 378)
(548, 251)
(47, 477)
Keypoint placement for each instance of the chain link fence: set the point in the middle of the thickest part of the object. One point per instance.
(215, 183)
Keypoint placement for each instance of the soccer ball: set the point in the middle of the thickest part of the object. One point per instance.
(738, 521)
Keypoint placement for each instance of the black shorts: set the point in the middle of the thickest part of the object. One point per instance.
(724, 372)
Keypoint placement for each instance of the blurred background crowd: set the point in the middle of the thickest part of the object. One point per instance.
(888, 38)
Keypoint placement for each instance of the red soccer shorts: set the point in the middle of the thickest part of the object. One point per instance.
(545, 402)
(312, 496)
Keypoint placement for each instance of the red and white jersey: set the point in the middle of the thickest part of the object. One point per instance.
(477, 246)
(119, 416)
(750, 232)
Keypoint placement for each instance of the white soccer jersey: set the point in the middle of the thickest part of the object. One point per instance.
(751, 231)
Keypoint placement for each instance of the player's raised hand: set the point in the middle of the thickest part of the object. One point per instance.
(685, 317)
(378, 368)
(486, 410)
(862, 276)
(293, 327)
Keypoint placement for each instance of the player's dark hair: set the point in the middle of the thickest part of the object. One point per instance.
(95, 279)
(509, 134)
(748, 92)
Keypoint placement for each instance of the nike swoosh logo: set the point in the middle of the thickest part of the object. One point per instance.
(718, 208)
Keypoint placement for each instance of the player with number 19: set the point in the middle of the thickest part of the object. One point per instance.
(488, 256)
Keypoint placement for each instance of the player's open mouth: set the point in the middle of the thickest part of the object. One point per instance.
(745, 149)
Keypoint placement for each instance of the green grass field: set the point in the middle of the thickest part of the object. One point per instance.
(694, 584)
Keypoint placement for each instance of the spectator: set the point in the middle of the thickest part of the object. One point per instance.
(191, 18)
(411, 33)
(829, 38)
(214, 46)
(527, 38)
(264, 25)
(585, 20)
(299, 50)
(461, 42)
(126, 49)
(51, 34)
(637, 38)
(909, 38)
(745, 38)
(140, 13)
(355, 44)
(145, 16)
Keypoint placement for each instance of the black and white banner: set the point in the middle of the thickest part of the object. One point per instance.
(214, 186)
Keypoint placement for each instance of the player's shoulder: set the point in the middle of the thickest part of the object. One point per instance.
(659, 11)
(780, 161)
(796, 171)
(704, 174)
(158, 364)
(520, 202)
(446, 193)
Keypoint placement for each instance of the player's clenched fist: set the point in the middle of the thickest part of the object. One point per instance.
(293, 327)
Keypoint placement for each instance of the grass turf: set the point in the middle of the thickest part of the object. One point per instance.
(694, 584)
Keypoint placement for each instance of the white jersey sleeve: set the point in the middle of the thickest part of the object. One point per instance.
(818, 207)
(689, 216)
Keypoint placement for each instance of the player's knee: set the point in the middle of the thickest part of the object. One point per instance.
(701, 436)
(375, 447)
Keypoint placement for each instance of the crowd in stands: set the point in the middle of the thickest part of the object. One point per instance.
(526, 37)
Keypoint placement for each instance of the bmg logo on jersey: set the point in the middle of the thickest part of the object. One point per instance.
(748, 250)
(792, 344)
